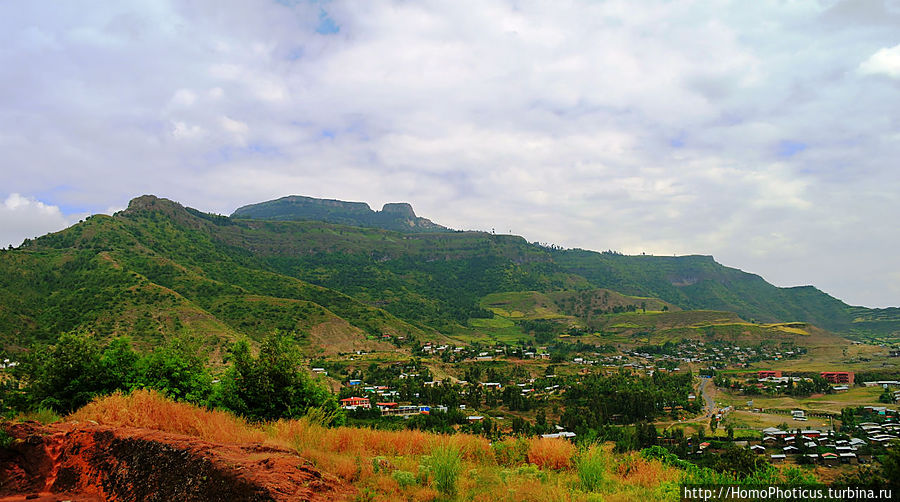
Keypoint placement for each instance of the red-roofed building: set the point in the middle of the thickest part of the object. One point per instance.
(352, 403)
(768, 374)
(838, 376)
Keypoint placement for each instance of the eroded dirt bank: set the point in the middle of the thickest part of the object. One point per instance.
(89, 462)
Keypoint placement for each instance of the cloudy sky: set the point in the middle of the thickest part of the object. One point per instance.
(765, 133)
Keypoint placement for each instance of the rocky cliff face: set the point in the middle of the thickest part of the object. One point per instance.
(399, 209)
(397, 216)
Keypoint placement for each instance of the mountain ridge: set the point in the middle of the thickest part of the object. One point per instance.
(159, 268)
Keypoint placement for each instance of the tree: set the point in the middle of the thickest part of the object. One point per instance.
(540, 423)
(890, 467)
(739, 461)
(271, 385)
(64, 376)
(178, 369)
(520, 426)
(646, 435)
(119, 365)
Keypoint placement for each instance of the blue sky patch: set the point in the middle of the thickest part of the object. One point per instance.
(787, 149)
(326, 26)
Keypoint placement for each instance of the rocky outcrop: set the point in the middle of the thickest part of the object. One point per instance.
(398, 216)
(90, 462)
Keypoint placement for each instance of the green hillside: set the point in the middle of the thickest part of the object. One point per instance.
(158, 269)
(698, 282)
(604, 316)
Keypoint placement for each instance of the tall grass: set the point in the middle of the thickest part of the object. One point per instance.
(591, 468)
(550, 453)
(443, 466)
(306, 433)
(150, 409)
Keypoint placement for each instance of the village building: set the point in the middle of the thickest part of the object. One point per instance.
(845, 377)
(352, 403)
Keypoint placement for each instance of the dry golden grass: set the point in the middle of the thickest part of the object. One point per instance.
(634, 470)
(533, 490)
(423, 493)
(306, 434)
(550, 453)
(368, 458)
(150, 409)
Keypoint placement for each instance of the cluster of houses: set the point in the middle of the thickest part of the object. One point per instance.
(389, 408)
(811, 446)
(687, 351)
(880, 433)
(614, 363)
(716, 354)
(458, 353)
(840, 380)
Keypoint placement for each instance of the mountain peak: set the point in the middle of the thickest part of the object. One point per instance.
(397, 216)
(401, 209)
(152, 203)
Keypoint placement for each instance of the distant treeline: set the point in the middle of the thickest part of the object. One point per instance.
(69, 374)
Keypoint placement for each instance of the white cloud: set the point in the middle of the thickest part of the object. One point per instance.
(182, 130)
(672, 126)
(236, 127)
(184, 97)
(884, 62)
(26, 217)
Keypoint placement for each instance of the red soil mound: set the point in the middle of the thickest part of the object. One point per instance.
(91, 463)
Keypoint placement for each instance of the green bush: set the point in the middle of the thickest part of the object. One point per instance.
(443, 466)
(404, 478)
(531, 471)
(380, 463)
(510, 452)
(5, 439)
(591, 467)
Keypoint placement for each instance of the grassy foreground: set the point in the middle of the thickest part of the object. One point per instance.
(415, 465)
(412, 465)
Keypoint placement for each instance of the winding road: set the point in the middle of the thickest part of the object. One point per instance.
(710, 405)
